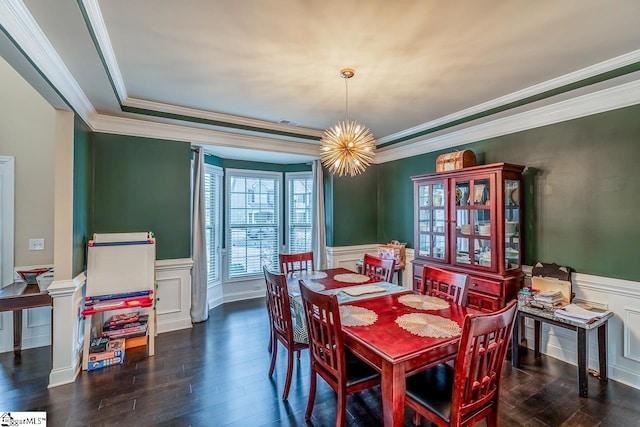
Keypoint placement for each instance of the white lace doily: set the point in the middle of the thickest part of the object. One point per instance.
(428, 325)
(310, 275)
(351, 278)
(350, 315)
(423, 302)
(314, 286)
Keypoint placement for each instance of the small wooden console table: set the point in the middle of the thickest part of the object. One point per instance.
(582, 330)
(17, 297)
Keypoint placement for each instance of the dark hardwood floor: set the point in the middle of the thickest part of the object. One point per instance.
(215, 374)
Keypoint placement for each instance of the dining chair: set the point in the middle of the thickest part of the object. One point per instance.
(445, 284)
(279, 309)
(296, 262)
(330, 359)
(467, 392)
(377, 268)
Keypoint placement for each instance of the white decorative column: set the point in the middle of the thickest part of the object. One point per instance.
(65, 343)
(65, 290)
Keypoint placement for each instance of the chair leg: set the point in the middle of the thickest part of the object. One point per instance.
(298, 354)
(287, 381)
(492, 419)
(342, 408)
(312, 395)
(270, 346)
(274, 353)
(417, 419)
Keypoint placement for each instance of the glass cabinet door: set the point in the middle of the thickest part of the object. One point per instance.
(512, 250)
(432, 224)
(474, 234)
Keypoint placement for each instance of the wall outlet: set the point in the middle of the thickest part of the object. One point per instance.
(36, 244)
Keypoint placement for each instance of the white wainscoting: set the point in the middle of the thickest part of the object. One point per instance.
(622, 297)
(173, 277)
(36, 328)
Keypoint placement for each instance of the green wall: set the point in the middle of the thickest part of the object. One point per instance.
(351, 208)
(581, 208)
(143, 184)
(82, 194)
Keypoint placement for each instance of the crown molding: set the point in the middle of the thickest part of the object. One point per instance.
(29, 38)
(221, 117)
(620, 96)
(549, 85)
(99, 29)
(148, 129)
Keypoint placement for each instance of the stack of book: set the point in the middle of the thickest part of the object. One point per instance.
(105, 352)
(550, 298)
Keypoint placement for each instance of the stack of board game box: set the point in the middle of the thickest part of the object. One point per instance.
(125, 325)
(104, 352)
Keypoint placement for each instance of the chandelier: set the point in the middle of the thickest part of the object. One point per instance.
(347, 147)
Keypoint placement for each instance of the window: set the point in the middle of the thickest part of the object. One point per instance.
(253, 218)
(213, 219)
(299, 206)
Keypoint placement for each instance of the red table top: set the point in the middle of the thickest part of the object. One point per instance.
(391, 341)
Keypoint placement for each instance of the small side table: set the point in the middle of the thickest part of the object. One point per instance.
(539, 316)
(18, 296)
(398, 269)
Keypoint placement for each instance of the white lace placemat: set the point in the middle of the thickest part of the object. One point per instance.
(350, 315)
(423, 302)
(356, 291)
(294, 288)
(309, 275)
(428, 325)
(351, 278)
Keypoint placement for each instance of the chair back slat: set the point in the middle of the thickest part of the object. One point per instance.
(326, 345)
(296, 262)
(278, 304)
(377, 268)
(445, 284)
(483, 346)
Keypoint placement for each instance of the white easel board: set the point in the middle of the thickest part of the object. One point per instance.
(120, 263)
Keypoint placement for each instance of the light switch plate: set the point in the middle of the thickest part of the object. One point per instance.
(36, 244)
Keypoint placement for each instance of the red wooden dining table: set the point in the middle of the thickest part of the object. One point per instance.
(395, 352)
(392, 350)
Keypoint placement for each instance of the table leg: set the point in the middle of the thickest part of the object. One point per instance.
(515, 343)
(17, 332)
(537, 334)
(583, 380)
(393, 389)
(602, 351)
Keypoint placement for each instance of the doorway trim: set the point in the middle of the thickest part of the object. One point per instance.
(6, 220)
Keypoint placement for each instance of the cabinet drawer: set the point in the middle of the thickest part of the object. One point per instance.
(483, 302)
(487, 286)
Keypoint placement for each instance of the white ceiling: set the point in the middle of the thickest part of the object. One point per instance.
(259, 62)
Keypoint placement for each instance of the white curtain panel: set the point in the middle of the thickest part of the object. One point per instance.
(199, 306)
(318, 231)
